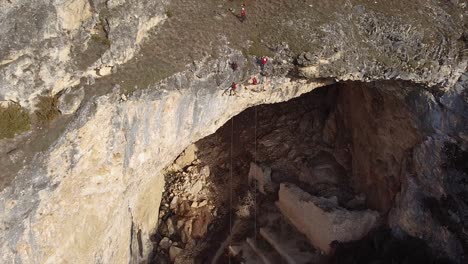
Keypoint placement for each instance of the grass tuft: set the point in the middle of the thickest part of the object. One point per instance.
(47, 109)
(13, 119)
(102, 40)
(169, 13)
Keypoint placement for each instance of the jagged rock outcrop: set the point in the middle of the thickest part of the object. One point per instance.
(49, 46)
(86, 189)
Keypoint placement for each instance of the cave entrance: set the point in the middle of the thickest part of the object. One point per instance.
(293, 181)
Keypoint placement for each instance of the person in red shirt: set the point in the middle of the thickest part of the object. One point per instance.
(234, 66)
(263, 62)
(242, 14)
(232, 91)
(254, 81)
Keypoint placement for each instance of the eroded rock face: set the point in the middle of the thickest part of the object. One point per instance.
(382, 130)
(96, 160)
(51, 45)
(407, 148)
(432, 201)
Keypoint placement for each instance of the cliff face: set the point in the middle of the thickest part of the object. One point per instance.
(132, 83)
(407, 149)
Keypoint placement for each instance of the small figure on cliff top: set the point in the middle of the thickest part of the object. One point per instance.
(234, 66)
(263, 62)
(231, 89)
(254, 81)
(242, 14)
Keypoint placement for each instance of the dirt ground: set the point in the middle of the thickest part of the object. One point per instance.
(195, 29)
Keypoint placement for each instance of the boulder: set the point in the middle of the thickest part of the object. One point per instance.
(262, 176)
(165, 243)
(174, 252)
(170, 226)
(186, 158)
(70, 100)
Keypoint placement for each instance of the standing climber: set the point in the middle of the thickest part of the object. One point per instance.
(254, 81)
(263, 62)
(234, 66)
(242, 13)
(232, 91)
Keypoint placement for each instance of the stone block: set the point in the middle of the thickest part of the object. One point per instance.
(262, 176)
(321, 219)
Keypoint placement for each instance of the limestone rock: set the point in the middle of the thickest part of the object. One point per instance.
(174, 252)
(98, 176)
(377, 177)
(262, 176)
(196, 188)
(67, 40)
(70, 100)
(104, 70)
(186, 231)
(201, 223)
(174, 202)
(186, 158)
(165, 243)
(170, 226)
(203, 203)
(321, 219)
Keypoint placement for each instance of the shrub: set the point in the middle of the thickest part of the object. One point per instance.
(47, 109)
(13, 119)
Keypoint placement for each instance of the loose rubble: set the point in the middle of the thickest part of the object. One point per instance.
(186, 210)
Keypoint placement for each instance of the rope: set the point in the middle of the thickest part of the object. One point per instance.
(255, 181)
(230, 187)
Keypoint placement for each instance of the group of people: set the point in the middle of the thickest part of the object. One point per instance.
(263, 61)
(254, 81)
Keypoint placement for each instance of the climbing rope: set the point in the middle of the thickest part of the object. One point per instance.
(230, 187)
(255, 181)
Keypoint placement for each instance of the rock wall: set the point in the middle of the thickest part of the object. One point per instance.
(382, 131)
(103, 178)
(87, 188)
(432, 201)
(407, 147)
(51, 45)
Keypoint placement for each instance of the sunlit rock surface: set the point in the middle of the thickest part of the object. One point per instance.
(86, 188)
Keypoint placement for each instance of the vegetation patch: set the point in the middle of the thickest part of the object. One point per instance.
(258, 49)
(13, 119)
(100, 39)
(169, 13)
(47, 109)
